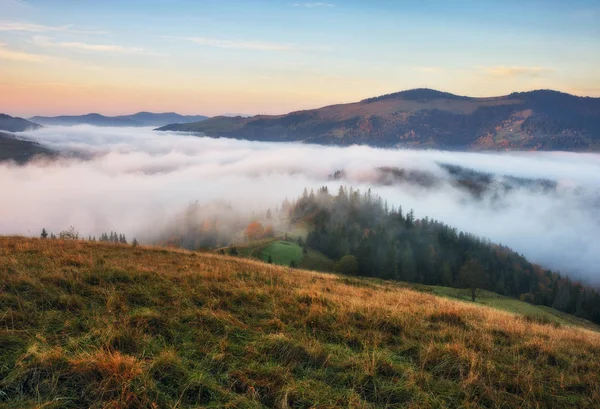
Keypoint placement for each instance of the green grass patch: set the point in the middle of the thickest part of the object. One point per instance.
(539, 313)
(317, 261)
(283, 253)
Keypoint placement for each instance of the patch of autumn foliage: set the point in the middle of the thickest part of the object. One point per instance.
(255, 230)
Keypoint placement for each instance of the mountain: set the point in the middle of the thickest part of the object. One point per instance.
(425, 118)
(139, 119)
(152, 119)
(14, 124)
(89, 119)
(18, 150)
(95, 325)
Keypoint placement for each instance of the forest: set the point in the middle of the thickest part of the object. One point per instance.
(392, 244)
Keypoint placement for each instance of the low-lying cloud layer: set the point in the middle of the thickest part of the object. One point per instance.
(136, 180)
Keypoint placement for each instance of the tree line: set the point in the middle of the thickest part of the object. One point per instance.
(72, 234)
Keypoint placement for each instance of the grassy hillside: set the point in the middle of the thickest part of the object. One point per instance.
(539, 313)
(99, 325)
(282, 253)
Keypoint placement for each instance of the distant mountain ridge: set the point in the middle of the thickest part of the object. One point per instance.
(426, 118)
(135, 120)
(15, 124)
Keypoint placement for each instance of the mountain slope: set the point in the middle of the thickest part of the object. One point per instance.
(152, 119)
(139, 119)
(545, 120)
(14, 124)
(100, 325)
(18, 150)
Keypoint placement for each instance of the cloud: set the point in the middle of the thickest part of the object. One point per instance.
(14, 5)
(246, 45)
(7, 54)
(17, 26)
(109, 48)
(313, 5)
(515, 71)
(428, 69)
(137, 179)
(240, 44)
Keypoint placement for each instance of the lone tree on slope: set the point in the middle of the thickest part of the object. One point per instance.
(472, 276)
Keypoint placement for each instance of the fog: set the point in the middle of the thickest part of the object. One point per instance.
(136, 181)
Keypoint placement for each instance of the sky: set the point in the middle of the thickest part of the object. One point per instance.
(216, 57)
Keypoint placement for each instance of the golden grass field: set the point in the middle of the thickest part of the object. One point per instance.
(112, 326)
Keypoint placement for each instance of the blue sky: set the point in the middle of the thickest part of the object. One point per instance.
(219, 56)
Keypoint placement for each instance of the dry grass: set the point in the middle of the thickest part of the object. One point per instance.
(100, 325)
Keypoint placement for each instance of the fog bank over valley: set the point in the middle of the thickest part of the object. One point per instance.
(137, 181)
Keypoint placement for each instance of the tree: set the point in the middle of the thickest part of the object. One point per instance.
(44, 234)
(472, 276)
(270, 261)
(292, 264)
(347, 265)
(269, 215)
(232, 251)
(134, 243)
(269, 232)
(255, 230)
(70, 234)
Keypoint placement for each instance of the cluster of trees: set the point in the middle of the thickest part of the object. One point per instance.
(72, 234)
(255, 230)
(390, 244)
(112, 237)
(69, 234)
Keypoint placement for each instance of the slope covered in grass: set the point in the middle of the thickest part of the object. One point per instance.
(99, 325)
(540, 313)
(283, 253)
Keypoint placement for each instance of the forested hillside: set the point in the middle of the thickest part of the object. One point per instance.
(374, 240)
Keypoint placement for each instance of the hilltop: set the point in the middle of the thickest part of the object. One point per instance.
(15, 124)
(425, 118)
(15, 149)
(86, 324)
(139, 119)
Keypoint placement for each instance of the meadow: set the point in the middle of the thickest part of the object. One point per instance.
(114, 326)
